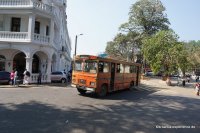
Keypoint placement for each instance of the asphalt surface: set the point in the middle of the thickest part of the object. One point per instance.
(152, 108)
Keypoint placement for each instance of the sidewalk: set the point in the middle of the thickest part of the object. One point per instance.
(34, 85)
(158, 82)
(155, 83)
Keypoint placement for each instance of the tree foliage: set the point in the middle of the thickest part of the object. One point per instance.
(193, 47)
(146, 17)
(164, 53)
(123, 46)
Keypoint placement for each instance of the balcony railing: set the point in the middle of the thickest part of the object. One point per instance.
(34, 78)
(32, 4)
(23, 37)
(43, 7)
(15, 36)
(26, 3)
(41, 39)
(18, 3)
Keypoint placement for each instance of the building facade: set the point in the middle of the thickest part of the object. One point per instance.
(34, 36)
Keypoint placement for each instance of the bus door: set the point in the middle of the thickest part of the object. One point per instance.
(112, 78)
(137, 75)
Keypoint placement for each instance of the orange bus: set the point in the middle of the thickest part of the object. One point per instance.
(104, 75)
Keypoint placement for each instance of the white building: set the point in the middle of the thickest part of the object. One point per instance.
(34, 36)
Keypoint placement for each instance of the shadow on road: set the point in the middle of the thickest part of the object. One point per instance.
(139, 111)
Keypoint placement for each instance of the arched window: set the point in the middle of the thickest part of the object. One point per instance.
(2, 63)
(19, 64)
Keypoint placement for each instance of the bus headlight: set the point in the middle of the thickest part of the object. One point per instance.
(92, 83)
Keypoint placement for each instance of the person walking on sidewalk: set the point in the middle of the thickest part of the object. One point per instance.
(183, 81)
(197, 78)
(12, 75)
(26, 77)
(39, 78)
(197, 88)
(15, 78)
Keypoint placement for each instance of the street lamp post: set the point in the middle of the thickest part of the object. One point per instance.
(76, 43)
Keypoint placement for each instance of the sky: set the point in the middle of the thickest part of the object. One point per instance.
(99, 21)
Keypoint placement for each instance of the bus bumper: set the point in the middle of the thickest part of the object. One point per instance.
(73, 85)
(83, 88)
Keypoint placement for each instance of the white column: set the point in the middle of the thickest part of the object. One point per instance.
(31, 26)
(52, 31)
(43, 66)
(29, 64)
(29, 67)
(48, 71)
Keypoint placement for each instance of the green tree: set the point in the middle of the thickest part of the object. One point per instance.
(146, 17)
(193, 48)
(164, 52)
(124, 46)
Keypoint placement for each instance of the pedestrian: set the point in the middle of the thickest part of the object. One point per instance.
(28, 74)
(69, 75)
(197, 78)
(168, 81)
(26, 77)
(12, 75)
(188, 78)
(39, 78)
(15, 78)
(183, 81)
(197, 89)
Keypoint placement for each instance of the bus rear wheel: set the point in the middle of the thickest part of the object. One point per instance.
(81, 91)
(103, 91)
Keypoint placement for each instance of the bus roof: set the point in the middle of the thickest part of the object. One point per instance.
(93, 57)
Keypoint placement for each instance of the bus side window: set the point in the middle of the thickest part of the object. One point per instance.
(132, 69)
(103, 67)
(127, 69)
(121, 68)
(100, 66)
(118, 68)
(106, 67)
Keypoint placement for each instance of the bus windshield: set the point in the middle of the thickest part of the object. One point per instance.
(78, 65)
(89, 66)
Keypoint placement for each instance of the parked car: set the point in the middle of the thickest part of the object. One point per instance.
(4, 77)
(59, 76)
(149, 73)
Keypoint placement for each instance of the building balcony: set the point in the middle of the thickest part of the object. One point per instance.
(13, 36)
(30, 4)
(7, 36)
(41, 39)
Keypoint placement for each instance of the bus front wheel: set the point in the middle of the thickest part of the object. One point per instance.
(82, 92)
(103, 91)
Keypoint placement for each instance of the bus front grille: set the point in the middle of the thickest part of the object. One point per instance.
(82, 81)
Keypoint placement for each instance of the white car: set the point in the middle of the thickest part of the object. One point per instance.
(59, 76)
(149, 73)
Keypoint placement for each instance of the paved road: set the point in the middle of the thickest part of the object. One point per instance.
(52, 109)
